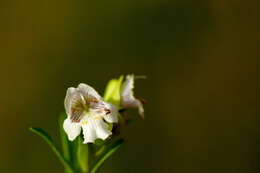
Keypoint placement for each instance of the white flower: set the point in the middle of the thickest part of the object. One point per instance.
(127, 95)
(86, 109)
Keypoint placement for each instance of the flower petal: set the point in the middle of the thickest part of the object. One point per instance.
(111, 117)
(89, 132)
(101, 129)
(67, 102)
(87, 90)
(72, 129)
(140, 108)
(127, 95)
(94, 129)
(74, 104)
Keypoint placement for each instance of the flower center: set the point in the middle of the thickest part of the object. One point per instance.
(82, 106)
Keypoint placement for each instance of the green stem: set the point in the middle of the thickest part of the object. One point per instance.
(90, 156)
(84, 155)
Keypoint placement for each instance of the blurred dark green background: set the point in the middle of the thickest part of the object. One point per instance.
(202, 90)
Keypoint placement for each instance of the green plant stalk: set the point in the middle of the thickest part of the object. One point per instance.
(90, 156)
(84, 155)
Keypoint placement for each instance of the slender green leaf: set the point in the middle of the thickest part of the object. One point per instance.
(65, 143)
(53, 146)
(113, 148)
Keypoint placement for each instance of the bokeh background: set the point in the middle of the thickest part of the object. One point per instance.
(202, 63)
